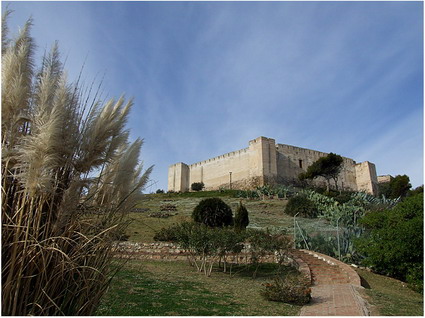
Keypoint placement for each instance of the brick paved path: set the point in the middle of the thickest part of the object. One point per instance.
(333, 292)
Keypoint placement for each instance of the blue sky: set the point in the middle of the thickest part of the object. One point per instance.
(207, 77)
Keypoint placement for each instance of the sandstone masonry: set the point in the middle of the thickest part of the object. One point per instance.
(265, 162)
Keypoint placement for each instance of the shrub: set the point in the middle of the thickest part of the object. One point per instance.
(394, 244)
(339, 196)
(264, 243)
(159, 191)
(197, 186)
(248, 194)
(398, 186)
(241, 218)
(167, 234)
(302, 205)
(292, 289)
(213, 212)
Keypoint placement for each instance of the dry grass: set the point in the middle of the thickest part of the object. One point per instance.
(55, 262)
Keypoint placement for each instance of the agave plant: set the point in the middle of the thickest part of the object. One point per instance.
(69, 175)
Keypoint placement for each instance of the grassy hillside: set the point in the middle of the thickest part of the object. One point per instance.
(262, 213)
(172, 288)
(390, 297)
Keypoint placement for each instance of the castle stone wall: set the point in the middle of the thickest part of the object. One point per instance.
(265, 162)
(384, 179)
(215, 172)
(291, 161)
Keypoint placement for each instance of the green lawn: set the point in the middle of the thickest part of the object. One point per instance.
(390, 297)
(161, 288)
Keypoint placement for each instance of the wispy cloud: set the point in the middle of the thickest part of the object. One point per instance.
(207, 77)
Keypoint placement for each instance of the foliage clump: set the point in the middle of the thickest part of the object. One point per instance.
(327, 167)
(292, 289)
(394, 244)
(397, 187)
(69, 176)
(241, 218)
(168, 234)
(197, 186)
(213, 212)
(302, 206)
(264, 243)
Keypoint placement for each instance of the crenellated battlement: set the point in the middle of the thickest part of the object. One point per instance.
(225, 156)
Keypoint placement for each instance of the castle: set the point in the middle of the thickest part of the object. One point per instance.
(265, 162)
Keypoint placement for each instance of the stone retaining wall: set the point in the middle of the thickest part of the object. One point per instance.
(170, 251)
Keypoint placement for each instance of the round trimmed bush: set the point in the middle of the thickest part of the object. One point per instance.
(213, 212)
(197, 186)
(302, 205)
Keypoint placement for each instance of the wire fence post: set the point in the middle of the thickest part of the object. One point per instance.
(337, 237)
(295, 231)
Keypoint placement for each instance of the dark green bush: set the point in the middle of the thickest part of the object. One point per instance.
(393, 245)
(302, 205)
(248, 194)
(340, 196)
(292, 289)
(197, 186)
(167, 234)
(241, 218)
(213, 212)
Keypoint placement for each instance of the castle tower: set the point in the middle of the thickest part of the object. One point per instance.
(178, 177)
(366, 178)
(263, 165)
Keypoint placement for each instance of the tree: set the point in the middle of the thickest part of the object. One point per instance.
(417, 190)
(241, 218)
(327, 167)
(394, 244)
(213, 212)
(397, 187)
(69, 176)
(197, 186)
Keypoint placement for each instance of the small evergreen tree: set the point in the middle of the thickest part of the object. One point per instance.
(399, 187)
(197, 186)
(241, 218)
(213, 212)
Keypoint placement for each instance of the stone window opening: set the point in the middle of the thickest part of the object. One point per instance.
(300, 162)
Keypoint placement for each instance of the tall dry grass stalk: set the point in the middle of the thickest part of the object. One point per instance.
(58, 222)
